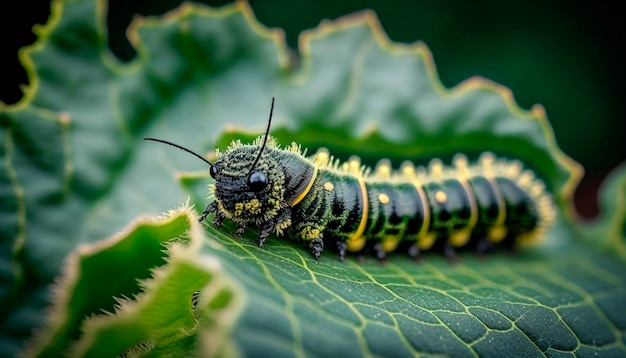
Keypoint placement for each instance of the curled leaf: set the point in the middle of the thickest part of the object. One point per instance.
(76, 172)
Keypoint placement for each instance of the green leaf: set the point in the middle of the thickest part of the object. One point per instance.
(609, 230)
(75, 172)
(528, 305)
(101, 277)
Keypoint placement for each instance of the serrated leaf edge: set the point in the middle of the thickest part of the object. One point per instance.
(70, 274)
(127, 307)
(188, 9)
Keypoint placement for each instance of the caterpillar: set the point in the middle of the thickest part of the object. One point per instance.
(321, 202)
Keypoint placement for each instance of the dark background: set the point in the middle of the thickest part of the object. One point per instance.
(565, 55)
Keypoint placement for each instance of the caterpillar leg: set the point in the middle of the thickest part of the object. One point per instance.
(211, 208)
(265, 232)
(509, 244)
(279, 223)
(317, 247)
(415, 253)
(342, 247)
(483, 246)
(219, 217)
(380, 253)
(450, 252)
(240, 229)
(311, 234)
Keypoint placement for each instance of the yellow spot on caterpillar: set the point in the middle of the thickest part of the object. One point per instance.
(274, 203)
(497, 233)
(383, 198)
(253, 206)
(390, 243)
(309, 233)
(427, 241)
(238, 209)
(356, 243)
(282, 226)
(441, 197)
(329, 186)
(459, 238)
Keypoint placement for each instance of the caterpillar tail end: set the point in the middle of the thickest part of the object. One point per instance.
(546, 209)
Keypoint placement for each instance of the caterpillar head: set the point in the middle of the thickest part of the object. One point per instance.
(249, 183)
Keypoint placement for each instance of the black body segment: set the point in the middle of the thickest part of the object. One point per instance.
(491, 208)
(488, 200)
(521, 211)
(396, 212)
(452, 210)
(299, 176)
(334, 206)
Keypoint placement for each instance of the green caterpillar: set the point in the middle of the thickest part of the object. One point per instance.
(320, 202)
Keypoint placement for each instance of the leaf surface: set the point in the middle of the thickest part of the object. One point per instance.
(75, 172)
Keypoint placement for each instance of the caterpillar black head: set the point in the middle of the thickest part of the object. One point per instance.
(249, 185)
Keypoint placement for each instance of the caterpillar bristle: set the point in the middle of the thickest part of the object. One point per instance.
(383, 169)
(407, 170)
